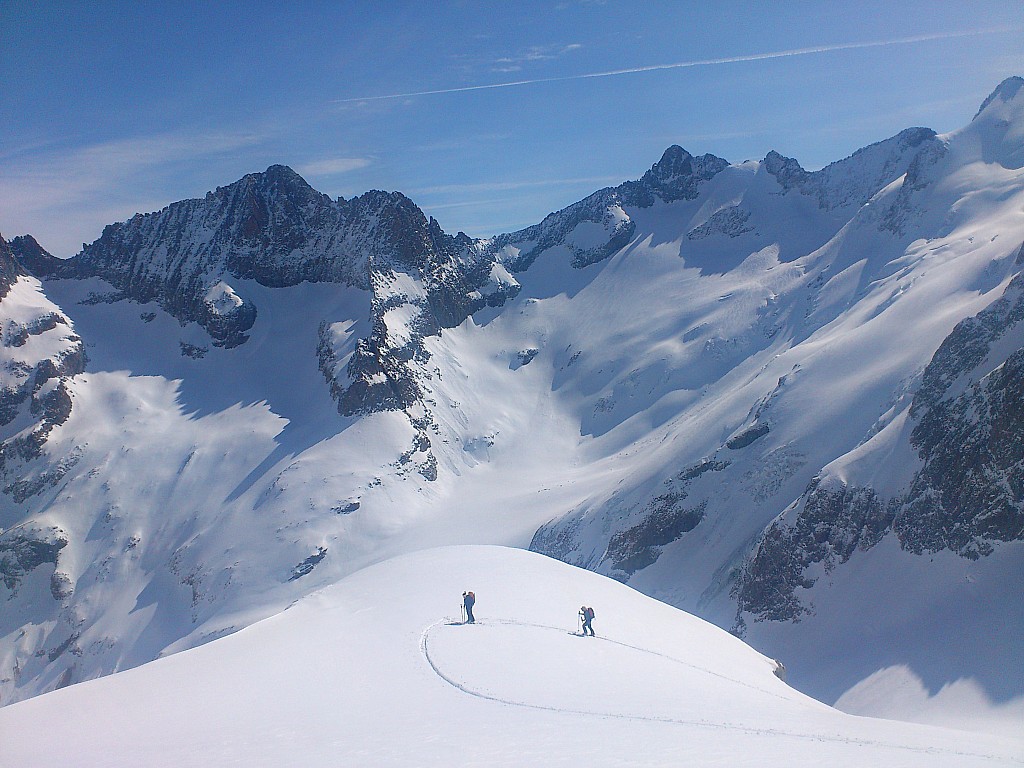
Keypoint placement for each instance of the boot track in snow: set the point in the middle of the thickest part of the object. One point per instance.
(701, 723)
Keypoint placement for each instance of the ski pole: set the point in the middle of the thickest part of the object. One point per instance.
(462, 608)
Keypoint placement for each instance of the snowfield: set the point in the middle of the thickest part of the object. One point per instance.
(377, 670)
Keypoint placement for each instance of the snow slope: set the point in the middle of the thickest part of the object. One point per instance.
(377, 671)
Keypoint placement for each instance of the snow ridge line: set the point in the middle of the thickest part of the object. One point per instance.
(752, 730)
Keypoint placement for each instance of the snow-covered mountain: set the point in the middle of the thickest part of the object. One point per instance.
(786, 401)
(377, 670)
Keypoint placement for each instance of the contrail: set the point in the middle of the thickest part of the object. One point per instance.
(697, 63)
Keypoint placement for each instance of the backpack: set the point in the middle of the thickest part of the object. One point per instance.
(590, 613)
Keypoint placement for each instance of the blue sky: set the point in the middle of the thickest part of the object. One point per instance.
(111, 108)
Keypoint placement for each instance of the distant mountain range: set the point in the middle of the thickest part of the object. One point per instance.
(790, 402)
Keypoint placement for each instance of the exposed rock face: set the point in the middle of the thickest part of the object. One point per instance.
(1005, 91)
(834, 523)
(22, 550)
(663, 520)
(731, 221)
(968, 347)
(306, 566)
(787, 171)
(35, 259)
(970, 492)
(677, 176)
(10, 269)
(39, 351)
(434, 281)
(970, 436)
(747, 436)
(666, 520)
(967, 496)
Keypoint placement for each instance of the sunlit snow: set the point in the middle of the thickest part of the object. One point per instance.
(378, 670)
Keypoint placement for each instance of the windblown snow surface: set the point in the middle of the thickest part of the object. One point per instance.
(378, 670)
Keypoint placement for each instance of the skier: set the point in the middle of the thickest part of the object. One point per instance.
(468, 600)
(587, 614)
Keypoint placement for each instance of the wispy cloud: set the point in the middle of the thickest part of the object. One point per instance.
(464, 204)
(65, 194)
(507, 186)
(763, 56)
(533, 54)
(69, 175)
(333, 166)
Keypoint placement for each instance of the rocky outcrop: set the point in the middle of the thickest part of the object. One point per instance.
(966, 497)
(969, 433)
(39, 352)
(970, 492)
(10, 269)
(432, 282)
(834, 522)
(26, 548)
(306, 566)
(747, 436)
(36, 260)
(663, 520)
(730, 221)
(666, 519)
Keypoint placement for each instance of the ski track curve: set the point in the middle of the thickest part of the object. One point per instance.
(425, 650)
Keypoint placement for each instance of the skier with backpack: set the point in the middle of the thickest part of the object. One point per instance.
(587, 614)
(468, 600)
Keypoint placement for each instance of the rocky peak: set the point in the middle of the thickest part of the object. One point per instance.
(39, 349)
(675, 161)
(10, 269)
(268, 206)
(786, 170)
(911, 138)
(678, 174)
(275, 229)
(35, 259)
(283, 175)
(996, 135)
(1006, 91)
(399, 235)
(277, 180)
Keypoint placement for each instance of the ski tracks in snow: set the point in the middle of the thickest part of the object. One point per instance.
(697, 723)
